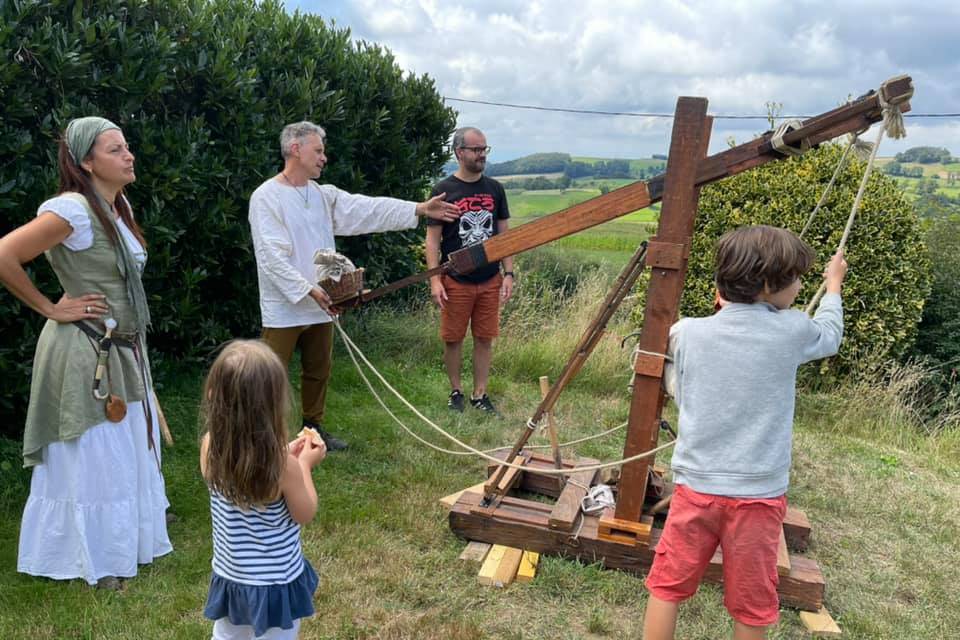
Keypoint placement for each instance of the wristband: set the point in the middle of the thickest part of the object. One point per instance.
(509, 273)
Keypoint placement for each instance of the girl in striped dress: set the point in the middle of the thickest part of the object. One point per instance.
(261, 491)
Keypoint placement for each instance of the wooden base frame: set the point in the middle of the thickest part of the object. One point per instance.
(531, 525)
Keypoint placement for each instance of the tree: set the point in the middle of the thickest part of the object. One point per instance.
(925, 155)
(202, 90)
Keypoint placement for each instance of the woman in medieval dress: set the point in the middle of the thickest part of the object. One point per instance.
(97, 504)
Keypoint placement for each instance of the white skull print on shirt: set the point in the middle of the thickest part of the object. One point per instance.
(475, 227)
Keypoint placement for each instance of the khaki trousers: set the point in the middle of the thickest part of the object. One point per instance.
(316, 357)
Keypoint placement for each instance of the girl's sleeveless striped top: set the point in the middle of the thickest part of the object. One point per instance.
(256, 547)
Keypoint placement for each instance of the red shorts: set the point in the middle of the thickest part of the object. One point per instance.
(748, 533)
(476, 304)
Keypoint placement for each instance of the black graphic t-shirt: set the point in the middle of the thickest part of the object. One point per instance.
(481, 204)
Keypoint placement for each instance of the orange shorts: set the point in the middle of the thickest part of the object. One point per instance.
(747, 531)
(476, 304)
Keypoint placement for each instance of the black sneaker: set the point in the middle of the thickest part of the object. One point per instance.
(333, 443)
(483, 404)
(456, 401)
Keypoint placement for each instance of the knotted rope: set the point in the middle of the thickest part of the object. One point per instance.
(893, 126)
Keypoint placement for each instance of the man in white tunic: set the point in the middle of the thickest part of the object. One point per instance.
(291, 217)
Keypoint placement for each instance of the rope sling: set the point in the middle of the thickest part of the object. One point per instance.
(892, 125)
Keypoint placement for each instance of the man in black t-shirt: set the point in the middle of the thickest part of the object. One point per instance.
(473, 298)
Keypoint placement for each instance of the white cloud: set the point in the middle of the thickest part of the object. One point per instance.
(628, 55)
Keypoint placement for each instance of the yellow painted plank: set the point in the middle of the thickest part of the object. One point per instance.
(489, 567)
(820, 624)
(507, 570)
(475, 551)
(528, 566)
(450, 500)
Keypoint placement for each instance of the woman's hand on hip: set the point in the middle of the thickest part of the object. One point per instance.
(89, 306)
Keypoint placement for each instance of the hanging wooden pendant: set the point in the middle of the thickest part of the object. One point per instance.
(116, 408)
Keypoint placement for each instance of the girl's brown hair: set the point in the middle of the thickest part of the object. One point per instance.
(74, 178)
(244, 410)
(751, 259)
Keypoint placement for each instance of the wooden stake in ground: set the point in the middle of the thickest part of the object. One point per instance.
(551, 425)
(162, 419)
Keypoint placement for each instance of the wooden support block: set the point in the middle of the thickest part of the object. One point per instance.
(528, 566)
(500, 567)
(783, 556)
(820, 624)
(509, 564)
(450, 500)
(475, 551)
(489, 567)
(624, 531)
(796, 528)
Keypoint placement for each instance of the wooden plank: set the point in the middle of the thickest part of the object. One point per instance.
(507, 569)
(783, 556)
(448, 501)
(528, 566)
(567, 509)
(509, 478)
(688, 145)
(475, 551)
(489, 567)
(820, 624)
(624, 531)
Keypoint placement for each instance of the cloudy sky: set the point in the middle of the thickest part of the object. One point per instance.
(639, 56)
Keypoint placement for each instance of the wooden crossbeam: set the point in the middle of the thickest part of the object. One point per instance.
(848, 118)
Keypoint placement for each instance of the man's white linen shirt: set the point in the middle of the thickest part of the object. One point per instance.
(287, 231)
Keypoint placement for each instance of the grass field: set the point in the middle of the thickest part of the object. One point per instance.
(881, 488)
(611, 241)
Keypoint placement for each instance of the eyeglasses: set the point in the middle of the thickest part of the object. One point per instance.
(479, 150)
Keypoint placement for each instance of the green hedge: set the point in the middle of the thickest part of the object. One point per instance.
(889, 275)
(202, 90)
(939, 332)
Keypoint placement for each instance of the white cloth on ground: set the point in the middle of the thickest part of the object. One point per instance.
(97, 504)
(287, 231)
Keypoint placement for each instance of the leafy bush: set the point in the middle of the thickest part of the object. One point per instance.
(888, 278)
(940, 326)
(202, 90)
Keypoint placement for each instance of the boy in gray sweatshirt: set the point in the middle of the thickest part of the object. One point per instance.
(735, 389)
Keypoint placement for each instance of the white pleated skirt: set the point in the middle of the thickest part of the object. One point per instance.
(97, 504)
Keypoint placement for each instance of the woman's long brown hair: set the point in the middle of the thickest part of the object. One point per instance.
(76, 179)
(244, 410)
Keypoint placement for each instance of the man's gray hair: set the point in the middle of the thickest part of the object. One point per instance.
(460, 134)
(296, 132)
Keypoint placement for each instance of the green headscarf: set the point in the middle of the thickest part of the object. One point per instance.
(81, 133)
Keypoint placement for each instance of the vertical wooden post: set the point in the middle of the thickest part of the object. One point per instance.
(667, 256)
